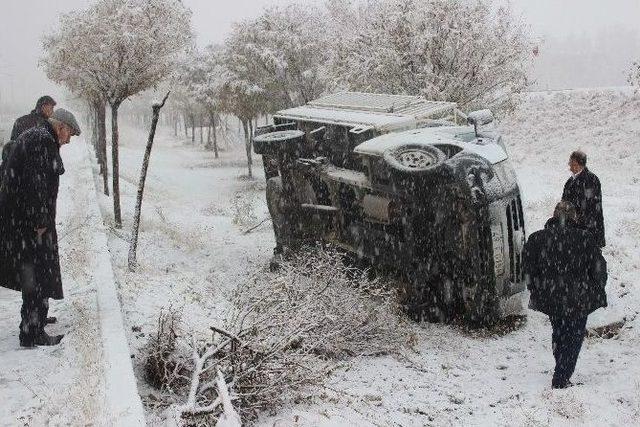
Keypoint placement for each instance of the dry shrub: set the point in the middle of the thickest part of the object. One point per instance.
(162, 367)
(289, 328)
(243, 212)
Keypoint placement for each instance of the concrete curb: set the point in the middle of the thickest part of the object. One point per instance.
(123, 405)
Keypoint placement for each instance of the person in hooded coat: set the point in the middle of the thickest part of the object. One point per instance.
(29, 260)
(566, 275)
(37, 117)
(583, 191)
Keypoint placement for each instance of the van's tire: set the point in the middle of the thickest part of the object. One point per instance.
(480, 306)
(284, 140)
(275, 204)
(415, 159)
(422, 301)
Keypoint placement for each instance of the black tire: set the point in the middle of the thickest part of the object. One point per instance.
(415, 159)
(275, 206)
(480, 306)
(423, 302)
(284, 140)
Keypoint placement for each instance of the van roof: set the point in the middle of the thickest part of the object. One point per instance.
(386, 113)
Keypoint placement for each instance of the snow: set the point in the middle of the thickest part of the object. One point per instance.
(193, 251)
(488, 149)
(383, 122)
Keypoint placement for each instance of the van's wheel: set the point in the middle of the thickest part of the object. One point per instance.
(479, 306)
(275, 204)
(415, 159)
(423, 303)
(281, 141)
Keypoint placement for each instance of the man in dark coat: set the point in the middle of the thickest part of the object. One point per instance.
(29, 259)
(37, 117)
(566, 275)
(583, 191)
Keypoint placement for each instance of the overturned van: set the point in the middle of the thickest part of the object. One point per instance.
(396, 180)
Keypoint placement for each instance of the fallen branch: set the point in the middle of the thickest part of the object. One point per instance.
(256, 226)
(229, 417)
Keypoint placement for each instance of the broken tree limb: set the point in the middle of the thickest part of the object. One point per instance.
(192, 407)
(143, 176)
(225, 333)
(256, 226)
(229, 417)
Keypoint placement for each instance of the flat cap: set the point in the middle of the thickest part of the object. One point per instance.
(68, 119)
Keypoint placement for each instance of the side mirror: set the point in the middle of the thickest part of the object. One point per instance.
(480, 118)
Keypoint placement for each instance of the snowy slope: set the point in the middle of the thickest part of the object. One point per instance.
(192, 252)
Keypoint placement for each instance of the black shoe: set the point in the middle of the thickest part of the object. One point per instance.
(45, 339)
(561, 385)
(27, 341)
(51, 320)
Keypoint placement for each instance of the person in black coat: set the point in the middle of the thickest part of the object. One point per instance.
(37, 117)
(583, 191)
(29, 260)
(566, 275)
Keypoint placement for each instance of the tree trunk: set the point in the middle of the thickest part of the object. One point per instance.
(247, 144)
(175, 125)
(201, 140)
(117, 215)
(208, 146)
(215, 136)
(93, 117)
(101, 122)
(184, 122)
(143, 177)
(193, 128)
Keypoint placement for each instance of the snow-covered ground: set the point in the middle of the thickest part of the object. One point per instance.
(193, 252)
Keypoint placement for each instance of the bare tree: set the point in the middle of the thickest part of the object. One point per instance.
(143, 177)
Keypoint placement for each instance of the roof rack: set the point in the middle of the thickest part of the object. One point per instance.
(382, 103)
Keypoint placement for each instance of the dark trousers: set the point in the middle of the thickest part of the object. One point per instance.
(35, 307)
(567, 336)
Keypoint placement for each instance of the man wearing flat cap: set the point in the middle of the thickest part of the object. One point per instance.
(29, 259)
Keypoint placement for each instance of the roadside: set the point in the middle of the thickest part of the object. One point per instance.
(192, 250)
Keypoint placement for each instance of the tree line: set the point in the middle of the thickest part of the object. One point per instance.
(473, 53)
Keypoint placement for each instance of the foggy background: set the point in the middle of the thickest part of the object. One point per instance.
(581, 43)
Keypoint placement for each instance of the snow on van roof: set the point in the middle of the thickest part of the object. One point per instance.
(386, 113)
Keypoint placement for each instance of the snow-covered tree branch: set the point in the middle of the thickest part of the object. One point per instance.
(118, 48)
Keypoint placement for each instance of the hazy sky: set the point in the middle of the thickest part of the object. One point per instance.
(23, 22)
